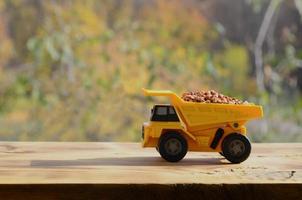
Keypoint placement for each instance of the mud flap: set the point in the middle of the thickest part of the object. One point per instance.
(218, 135)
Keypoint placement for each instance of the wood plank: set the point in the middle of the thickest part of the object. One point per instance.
(55, 162)
(53, 166)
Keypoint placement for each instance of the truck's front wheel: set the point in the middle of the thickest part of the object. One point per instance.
(172, 147)
(236, 148)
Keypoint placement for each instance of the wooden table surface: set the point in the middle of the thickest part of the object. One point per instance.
(59, 163)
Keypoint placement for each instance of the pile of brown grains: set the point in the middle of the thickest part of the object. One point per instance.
(210, 96)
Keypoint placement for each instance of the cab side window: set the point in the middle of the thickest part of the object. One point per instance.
(164, 113)
(161, 110)
(171, 111)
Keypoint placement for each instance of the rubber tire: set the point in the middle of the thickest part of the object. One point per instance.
(162, 151)
(228, 155)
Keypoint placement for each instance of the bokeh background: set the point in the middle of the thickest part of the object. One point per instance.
(72, 70)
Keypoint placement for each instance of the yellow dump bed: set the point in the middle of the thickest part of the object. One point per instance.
(200, 114)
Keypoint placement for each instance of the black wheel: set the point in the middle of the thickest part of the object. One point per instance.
(236, 148)
(172, 147)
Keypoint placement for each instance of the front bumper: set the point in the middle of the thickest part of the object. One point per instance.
(145, 134)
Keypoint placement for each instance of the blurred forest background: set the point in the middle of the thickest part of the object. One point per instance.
(72, 70)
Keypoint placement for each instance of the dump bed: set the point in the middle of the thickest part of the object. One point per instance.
(200, 114)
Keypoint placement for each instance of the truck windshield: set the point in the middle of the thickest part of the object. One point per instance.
(164, 113)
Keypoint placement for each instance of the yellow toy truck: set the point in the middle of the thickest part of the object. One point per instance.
(174, 129)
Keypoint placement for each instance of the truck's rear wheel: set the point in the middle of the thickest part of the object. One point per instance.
(236, 148)
(172, 147)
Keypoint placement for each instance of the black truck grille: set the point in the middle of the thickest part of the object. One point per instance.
(143, 132)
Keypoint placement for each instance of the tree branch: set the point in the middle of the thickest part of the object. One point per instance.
(260, 40)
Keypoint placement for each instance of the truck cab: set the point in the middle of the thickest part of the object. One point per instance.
(163, 118)
(163, 113)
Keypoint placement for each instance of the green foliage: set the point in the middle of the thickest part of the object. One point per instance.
(231, 66)
(73, 70)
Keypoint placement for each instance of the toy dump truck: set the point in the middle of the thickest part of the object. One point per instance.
(181, 126)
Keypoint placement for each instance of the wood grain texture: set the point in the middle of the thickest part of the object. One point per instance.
(51, 168)
(47, 162)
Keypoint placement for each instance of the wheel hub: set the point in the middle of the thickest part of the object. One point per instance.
(173, 146)
(237, 148)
